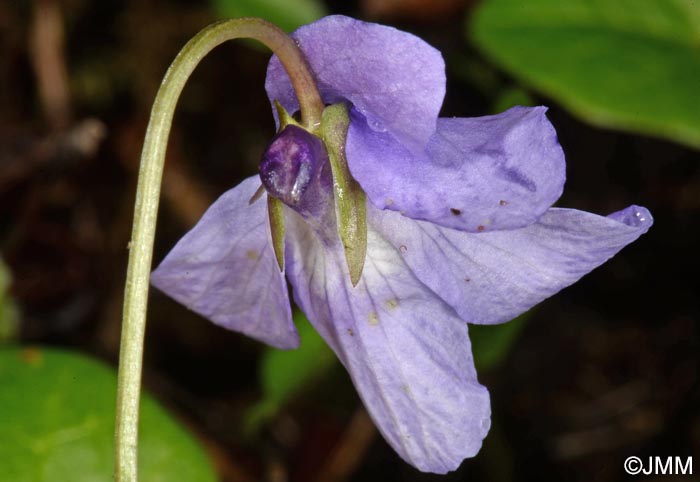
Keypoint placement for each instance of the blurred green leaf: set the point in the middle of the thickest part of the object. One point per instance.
(626, 64)
(283, 374)
(510, 98)
(9, 314)
(492, 343)
(286, 14)
(480, 75)
(57, 424)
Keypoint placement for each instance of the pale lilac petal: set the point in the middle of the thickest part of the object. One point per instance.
(395, 79)
(225, 270)
(407, 352)
(492, 277)
(477, 174)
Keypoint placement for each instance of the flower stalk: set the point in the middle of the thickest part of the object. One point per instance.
(147, 199)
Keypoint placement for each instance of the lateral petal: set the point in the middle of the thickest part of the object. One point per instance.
(225, 270)
(395, 79)
(491, 278)
(476, 174)
(406, 351)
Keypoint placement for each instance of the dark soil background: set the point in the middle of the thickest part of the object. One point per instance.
(606, 369)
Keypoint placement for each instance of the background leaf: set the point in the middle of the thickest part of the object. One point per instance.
(624, 64)
(57, 424)
(492, 343)
(286, 14)
(510, 97)
(283, 374)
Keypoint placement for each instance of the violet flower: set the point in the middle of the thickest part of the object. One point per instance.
(460, 229)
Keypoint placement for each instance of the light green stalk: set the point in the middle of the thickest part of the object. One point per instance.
(147, 197)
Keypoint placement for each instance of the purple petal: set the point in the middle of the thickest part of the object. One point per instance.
(492, 277)
(477, 174)
(395, 79)
(407, 352)
(225, 270)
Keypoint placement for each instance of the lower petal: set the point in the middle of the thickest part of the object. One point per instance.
(491, 278)
(406, 351)
(225, 270)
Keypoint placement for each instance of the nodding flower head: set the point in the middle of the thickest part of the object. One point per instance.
(459, 229)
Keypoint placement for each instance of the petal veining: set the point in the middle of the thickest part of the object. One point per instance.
(476, 174)
(395, 79)
(407, 351)
(491, 278)
(225, 270)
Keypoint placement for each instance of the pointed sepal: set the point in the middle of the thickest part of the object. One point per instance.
(350, 199)
(284, 117)
(275, 211)
(275, 207)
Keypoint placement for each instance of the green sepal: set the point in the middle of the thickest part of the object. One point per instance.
(285, 117)
(275, 207)
(275, 211)
(350, 199)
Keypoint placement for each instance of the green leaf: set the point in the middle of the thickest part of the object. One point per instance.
(625, 64)
(283, 374)
(350, 199)
(492, 343)
(57, 424)
(510, 98)
(286, 14)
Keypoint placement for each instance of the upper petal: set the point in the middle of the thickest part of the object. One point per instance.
(492, 277)
(407, 352)
(395, 79)
(476, 174)
(225, 270)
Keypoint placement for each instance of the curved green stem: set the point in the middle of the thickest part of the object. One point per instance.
(147, 197)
